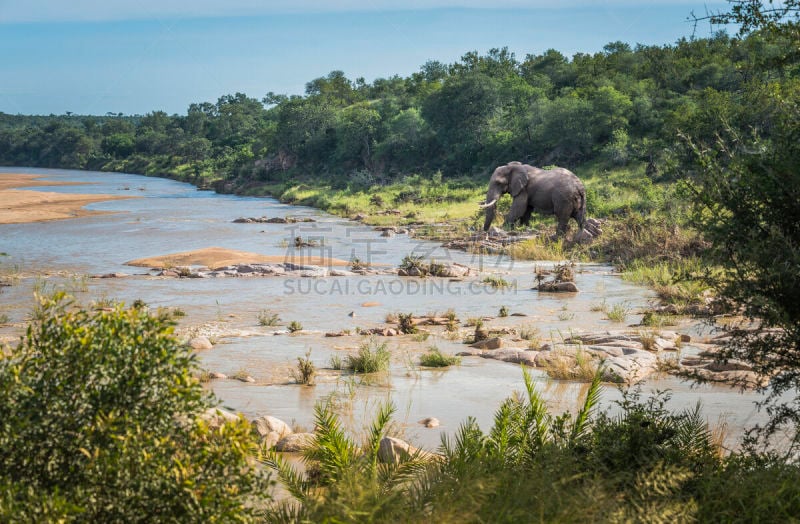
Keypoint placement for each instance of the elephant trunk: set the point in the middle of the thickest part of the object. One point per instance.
(491, 208)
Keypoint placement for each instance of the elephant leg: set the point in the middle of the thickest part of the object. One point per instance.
(518, 208)
(526, 217)
(563, 225)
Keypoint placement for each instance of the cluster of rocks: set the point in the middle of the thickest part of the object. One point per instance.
(494, 241)
(626, 357)
(437, 269)
(272, 220)
(390, 231)
(287, 269)
(278, 435)
(708, 365)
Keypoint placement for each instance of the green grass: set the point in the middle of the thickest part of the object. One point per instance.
(372, 357)
(434, 358)
(618, 312)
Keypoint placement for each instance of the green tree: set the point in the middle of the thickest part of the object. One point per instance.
(746, 189)
(98, 423)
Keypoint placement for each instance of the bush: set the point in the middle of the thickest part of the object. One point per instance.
(371, 358)
(99, 424)
(436, 359)
(268, 318)
(295, 326)
(405, 322)
(305, 372)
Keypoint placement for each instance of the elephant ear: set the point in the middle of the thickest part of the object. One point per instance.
(518, 181)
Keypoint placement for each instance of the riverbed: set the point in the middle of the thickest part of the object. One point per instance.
(172, 217)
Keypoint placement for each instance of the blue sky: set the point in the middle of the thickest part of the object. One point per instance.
(135, 56)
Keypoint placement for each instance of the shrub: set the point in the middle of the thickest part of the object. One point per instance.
(305, 372)
(618, 312)
(503, 311)
(496, 282)
(99, 424)
(405, 322)
(436, 359)
(294, 326)
(268, 318)
(371, 358)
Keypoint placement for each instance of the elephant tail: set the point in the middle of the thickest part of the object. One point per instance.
(580, 216)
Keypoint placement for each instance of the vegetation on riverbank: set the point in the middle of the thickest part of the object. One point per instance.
(125, 444)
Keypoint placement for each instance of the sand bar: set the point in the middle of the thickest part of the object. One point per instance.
(18, 206)
(215, 257)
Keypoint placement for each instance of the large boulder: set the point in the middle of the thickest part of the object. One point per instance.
(216, 417)
(263, 426)
(295, 442)
(200, 343)
(489, 343)
(393, 451)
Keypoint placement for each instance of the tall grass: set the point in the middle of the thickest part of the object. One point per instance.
(434, 358)
(372, 357)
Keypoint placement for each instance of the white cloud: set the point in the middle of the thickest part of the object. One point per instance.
(14, 11)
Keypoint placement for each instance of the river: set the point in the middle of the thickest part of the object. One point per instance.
(170, 217)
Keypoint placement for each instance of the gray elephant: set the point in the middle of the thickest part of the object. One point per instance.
(554, 191)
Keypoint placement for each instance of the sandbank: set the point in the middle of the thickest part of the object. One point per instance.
(215, 257)
(18, 206)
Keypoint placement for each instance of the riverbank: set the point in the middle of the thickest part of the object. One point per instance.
(19, 206)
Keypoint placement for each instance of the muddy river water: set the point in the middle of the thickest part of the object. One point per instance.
(170, 217)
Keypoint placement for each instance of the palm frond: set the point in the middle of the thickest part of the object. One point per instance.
(332, 450)
(293, 480)
(581, 424)
(376, 433)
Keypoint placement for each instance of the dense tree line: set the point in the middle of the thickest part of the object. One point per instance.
(620, 105)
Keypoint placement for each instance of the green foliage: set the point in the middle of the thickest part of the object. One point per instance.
(268, 318)
(496, 282)
(618, 312)
(372, 357)
(305, 372)
(99, 425)
(745, 186)
(405, 322)
(503, 311)
(294, 326)
(434, 358)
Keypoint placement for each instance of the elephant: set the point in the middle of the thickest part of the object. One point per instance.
(554, 191)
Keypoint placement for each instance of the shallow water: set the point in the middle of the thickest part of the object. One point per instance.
(169, 217)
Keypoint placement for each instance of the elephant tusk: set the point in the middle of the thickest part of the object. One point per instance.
(488, 204)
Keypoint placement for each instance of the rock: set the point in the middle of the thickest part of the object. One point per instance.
(387, 233)
(112, 275)
(583, 237)
(430, 422)
(558, 287)
(217, 376)
(340, 273)
(685, 338)
(402, 273)
(519, 314)
(270, 440)
(370, 304)
(413, 272)
(393, 451)
(490, 343)
(319, 272)
(359, 217)
(245, 378)
(200, 343)
(481, 333)
(496, 232)
(295, 442)
(267, 424)
(335, 334)
(216, 417)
